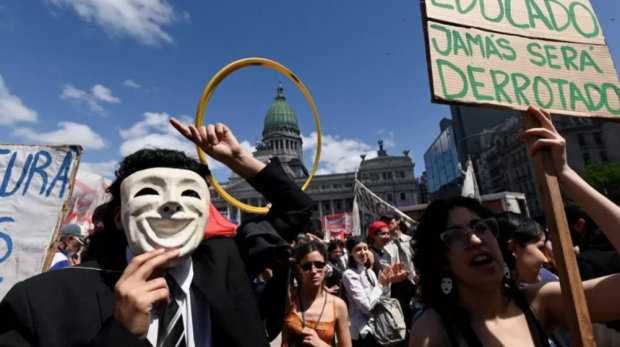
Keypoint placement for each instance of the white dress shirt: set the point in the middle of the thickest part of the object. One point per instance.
(405, 243)
(194, 307)
(363, 294)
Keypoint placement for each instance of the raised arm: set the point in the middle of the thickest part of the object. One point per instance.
(601, 293)
(264, 242)
(604, 212)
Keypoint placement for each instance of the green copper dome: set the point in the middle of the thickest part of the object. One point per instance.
(280, 114)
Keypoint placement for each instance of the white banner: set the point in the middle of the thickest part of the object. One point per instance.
(89, 192)
(368, 208)
(36, 183)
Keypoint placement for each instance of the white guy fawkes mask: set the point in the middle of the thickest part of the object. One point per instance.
(164, 208)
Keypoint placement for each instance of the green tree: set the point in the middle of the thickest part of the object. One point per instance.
(604, 177)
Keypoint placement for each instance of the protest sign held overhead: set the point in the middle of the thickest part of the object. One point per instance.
(558, 20)
(498, 68)
(37, 182)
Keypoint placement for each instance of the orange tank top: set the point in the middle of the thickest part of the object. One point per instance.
(291, 332)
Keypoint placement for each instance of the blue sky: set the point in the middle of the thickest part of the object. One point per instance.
(107, 73)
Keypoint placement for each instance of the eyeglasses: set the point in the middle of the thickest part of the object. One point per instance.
(319, 265)
(458, 239)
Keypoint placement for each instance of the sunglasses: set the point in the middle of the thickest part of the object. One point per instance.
(317, 265)
(458, 239)
(382, 233)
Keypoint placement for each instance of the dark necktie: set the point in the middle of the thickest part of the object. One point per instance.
(171, 330)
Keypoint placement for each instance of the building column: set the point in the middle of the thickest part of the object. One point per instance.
(332, 206)
(320, 208)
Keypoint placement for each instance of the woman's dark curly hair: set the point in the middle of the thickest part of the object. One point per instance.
(111, 242)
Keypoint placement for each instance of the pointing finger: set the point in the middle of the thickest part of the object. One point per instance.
(180, 128)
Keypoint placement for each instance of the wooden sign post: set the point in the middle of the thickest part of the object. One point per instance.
(575, 304)
(513, 54)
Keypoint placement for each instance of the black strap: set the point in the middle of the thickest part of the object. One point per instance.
(469, 335)
(303, 317)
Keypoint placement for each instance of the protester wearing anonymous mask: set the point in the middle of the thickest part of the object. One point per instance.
(152, 279)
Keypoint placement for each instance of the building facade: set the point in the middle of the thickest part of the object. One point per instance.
(391, 178)
(503, 163)
(425, 196)
(442, 164)
(469, 123)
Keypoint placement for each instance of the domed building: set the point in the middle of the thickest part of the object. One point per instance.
(389, 177)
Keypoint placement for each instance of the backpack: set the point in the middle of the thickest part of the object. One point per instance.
(388, 321)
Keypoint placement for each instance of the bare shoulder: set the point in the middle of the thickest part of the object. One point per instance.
(341, 307)
(427, 331)
(545, 299)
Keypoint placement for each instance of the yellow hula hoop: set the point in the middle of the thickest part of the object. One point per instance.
(206, 95)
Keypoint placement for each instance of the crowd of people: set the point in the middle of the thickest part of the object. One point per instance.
(467, 276)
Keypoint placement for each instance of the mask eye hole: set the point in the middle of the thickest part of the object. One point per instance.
(146, 191)
(191, 194)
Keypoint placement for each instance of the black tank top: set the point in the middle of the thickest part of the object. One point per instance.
(472, 340)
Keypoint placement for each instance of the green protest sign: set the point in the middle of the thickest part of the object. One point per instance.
(480, 67)
(560, 20)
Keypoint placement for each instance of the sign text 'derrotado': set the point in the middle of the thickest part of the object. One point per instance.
(485, 68)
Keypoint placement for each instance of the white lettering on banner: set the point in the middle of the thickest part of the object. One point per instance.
(36, 184)
(368, 208)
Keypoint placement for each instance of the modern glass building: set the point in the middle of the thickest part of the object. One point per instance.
(441, 160)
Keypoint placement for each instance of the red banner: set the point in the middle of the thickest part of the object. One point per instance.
(337, 225)
(88, 193)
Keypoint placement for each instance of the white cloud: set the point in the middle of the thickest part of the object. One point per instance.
(141, 20)
(155, 131)
(68, 133)
(105, 168)
(104, 94)
(131, 84)
(388, 138)
(247, 146)
(93, 101)
(12, 109)
(338, 155)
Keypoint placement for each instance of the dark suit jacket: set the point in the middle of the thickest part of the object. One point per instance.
(75, 306)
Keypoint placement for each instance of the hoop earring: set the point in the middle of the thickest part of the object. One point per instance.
(506, 271)
(446, 285)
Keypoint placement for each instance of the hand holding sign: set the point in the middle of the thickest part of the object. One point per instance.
(547, 136)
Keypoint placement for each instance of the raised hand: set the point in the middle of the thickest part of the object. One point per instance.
(216, 140)
(220, 144)
(135, 295)
(547, 137)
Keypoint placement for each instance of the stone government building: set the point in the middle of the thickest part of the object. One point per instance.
(389, 177)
